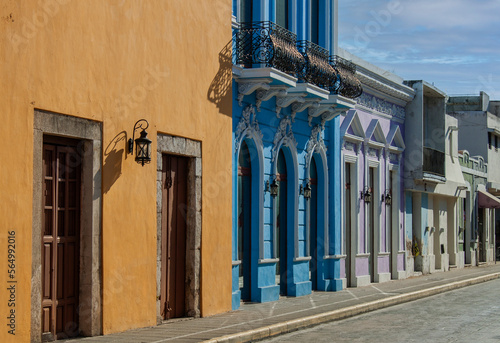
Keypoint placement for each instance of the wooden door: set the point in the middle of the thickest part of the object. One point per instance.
(347, 219)
(481, 235)
(173, 248)
(244, 220)
(281, 222)
(390, 232)
(60, 241)
(371, 230)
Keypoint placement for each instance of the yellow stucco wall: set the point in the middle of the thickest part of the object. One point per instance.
(116, 61)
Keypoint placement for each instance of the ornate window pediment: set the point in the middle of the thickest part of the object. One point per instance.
(247, 127)
(375, 139)
(315, 143)
(395, 140)
(375, 135)
(283, 137)
(352, 132)
(351, 128)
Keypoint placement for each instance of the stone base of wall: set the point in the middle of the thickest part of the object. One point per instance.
(360, 281)
(384, 277)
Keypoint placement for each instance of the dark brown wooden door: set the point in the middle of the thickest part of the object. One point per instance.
(60, 241)
(173, 248)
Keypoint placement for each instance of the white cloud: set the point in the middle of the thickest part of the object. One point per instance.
(454, 43)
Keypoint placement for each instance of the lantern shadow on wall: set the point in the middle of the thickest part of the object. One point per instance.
(113, 159)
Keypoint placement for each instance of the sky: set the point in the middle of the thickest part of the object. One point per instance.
(453, 44)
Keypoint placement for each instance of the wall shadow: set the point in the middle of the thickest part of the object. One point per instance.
(113, 159)
(220, 90)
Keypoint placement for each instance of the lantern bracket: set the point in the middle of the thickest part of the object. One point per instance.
(138, 125)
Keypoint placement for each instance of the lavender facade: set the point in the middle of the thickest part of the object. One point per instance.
(373, 234)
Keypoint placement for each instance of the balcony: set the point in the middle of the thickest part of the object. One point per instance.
(348, 84)
(270, 62)
(433, 162)
(317, 69)
(266, 44)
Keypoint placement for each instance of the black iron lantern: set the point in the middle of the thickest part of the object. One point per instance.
(366, 195)
(307, 190)
(142, 144)
(388, 197)
(274, 188)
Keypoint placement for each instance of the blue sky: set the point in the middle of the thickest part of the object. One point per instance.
(454, 44)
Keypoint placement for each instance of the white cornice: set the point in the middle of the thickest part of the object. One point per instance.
(383, 88)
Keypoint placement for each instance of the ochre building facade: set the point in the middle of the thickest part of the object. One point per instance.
(90, 234)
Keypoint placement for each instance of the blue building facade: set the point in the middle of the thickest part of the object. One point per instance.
(289, 90)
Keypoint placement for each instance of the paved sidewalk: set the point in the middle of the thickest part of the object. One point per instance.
(255, 321)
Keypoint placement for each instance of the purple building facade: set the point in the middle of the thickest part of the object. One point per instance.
(373, 234)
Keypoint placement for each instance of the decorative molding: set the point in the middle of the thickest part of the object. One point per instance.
(381, 106)
(373, 152)
(247, 127)
(332, 114)
(266, 94)
(315, 143)
(286, 100)
(284, 136)
(248, 87)
(394, 158)
(359, 146)
(299, 107)
(317, 110)
(350, 146)
(326, 111)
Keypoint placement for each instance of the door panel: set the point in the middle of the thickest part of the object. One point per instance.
(60, 241)
(371, 223)
(244, 220)
(281, 224)
(390, 232)
(348, 215)
(313, 226)
(174, 205)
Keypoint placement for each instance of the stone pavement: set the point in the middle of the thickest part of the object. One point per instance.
(256, 321)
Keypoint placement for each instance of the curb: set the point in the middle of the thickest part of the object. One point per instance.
(301, 323)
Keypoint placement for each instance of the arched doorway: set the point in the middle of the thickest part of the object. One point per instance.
(281, 223)
(313, 225)
(244, 219)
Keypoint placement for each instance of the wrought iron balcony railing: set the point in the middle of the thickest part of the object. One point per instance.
(266, 43)
(433, 161)
(348, 84)
(317, 69)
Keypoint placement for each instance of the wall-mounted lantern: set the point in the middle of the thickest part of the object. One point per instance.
(307, 190)
(272, 188)
(387, 197)
(366, 195)
(142, 144)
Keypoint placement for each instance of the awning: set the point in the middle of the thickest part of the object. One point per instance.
(486, 200)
